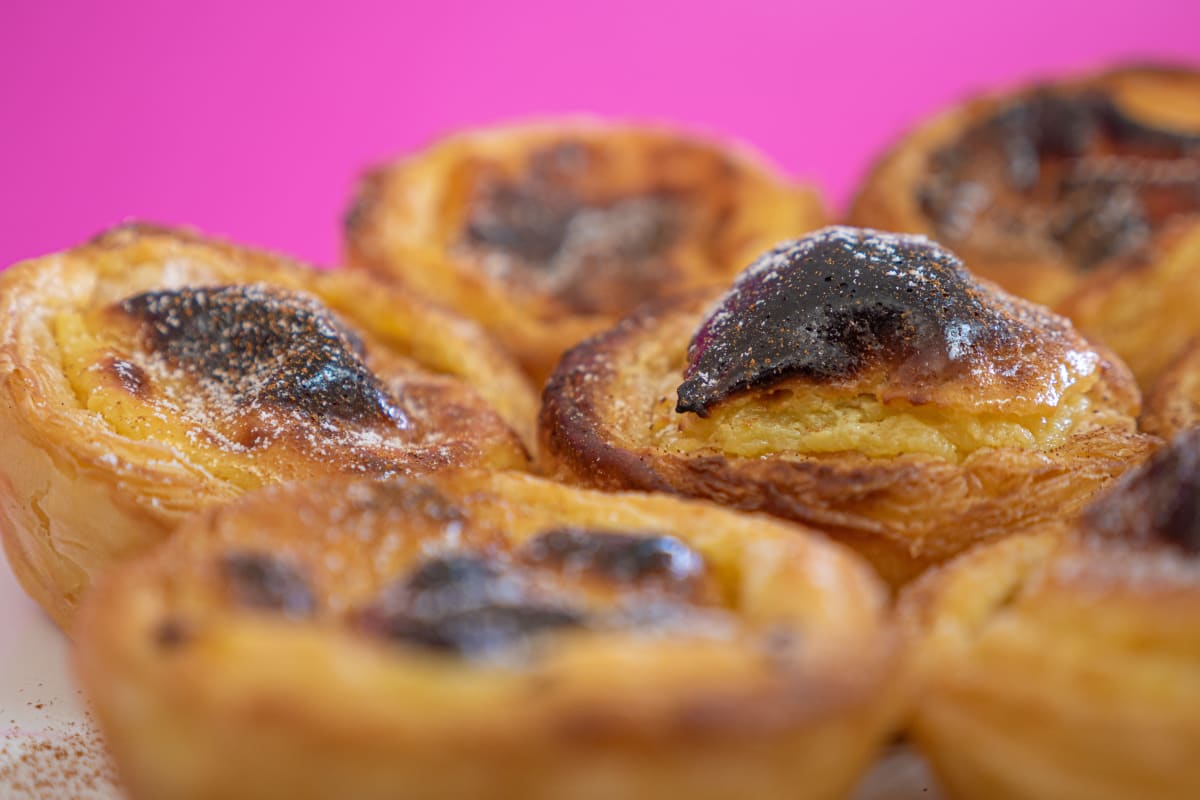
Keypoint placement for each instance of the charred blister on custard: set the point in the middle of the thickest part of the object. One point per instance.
(258, 344)
(1158, 503)
(593, 255)
(475, 632)
(625, 558)
(835, 302)
(468, 605)
(266, 582)
(1068, 170)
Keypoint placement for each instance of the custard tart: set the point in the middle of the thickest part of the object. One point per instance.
(1038, 187)
(860, 382)
(488, 635)
(548, 233)
(1065, 665)
(152, 372)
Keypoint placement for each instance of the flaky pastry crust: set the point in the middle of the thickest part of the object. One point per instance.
(152, 372)
(1038, 186)
(1173, 402)
(488, 635)
(1063, 665)
(547, 233)
(916, 413)
(1144, 307)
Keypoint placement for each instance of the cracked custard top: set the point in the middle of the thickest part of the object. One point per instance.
(897, 317)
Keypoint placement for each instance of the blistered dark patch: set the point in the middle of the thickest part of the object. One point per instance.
(825, 306)
(258, 580)
(453, 584)
(467, 604)
(1068, 170)
(477, 631)
(621, 557)
(592, 255)
(1157, 503)
(258, 344)
(171, 634)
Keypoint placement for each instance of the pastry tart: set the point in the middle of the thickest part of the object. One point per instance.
(151, 372)
(856, 381)
(488, 635)
(1065, 665)
(1036, 188)
(549, 233)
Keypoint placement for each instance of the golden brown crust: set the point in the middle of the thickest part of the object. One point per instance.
(1173, 402)
(549, 233)
(609, 420)
(1064, 664)
(1089, 210)
(206, 691)
(152, 372)
(1144, 307)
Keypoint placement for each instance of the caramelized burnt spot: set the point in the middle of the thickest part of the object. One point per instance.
(1067, 172)
(1156, 503)
(261, 581)
(171, 634)
(625, 558)
(841, 300)
(262, 345)
(594, 255)
(128, 376)
(468, 605)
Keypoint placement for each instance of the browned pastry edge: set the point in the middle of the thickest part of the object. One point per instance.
(1173, 402)
(1144, 306)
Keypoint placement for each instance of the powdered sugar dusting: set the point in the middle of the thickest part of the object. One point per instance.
(241, 368)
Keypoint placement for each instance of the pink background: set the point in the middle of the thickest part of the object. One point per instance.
(251, 119)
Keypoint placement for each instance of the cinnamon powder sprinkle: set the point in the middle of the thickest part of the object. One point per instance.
(62, 761)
